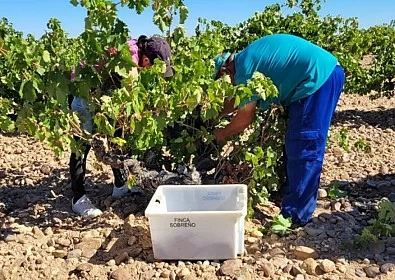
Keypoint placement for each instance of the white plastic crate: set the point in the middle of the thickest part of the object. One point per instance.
(198, 222)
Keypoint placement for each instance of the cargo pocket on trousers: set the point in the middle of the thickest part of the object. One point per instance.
(302, 144)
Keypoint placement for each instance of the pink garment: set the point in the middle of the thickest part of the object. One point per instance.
(133, 49)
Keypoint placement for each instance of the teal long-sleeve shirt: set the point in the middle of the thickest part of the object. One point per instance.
(297, 67)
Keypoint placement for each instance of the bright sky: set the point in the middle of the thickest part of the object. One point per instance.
(31, 16)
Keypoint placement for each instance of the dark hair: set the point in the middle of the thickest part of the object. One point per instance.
(142, 42)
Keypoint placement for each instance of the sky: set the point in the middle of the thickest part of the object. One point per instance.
(31, 16)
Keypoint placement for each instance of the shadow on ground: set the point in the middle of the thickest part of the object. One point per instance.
(382, 118)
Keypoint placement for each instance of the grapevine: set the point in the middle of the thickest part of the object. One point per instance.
(172, 117)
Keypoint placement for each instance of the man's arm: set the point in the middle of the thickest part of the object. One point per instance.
(241, 121)
(229, 107)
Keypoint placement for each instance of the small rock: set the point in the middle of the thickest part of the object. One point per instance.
(310, 265)
(371, 183)
(384, 184)
(230, 267)
(384, 169)
(123, 257)
(279, 262)
(287, 268)
(135, 251)
(391, 250)
(84, 267)
(361, 206)
(303, 252)
(336, 206)
(74, 254)
(38, 232)
(296, 270)
(331, 233)
(111, 263)
(130, 219)
(359, 272)
(165, 273)
(327, 266)
(10, 238)
(322, 193)
(88, 253)
(59, 253)
(63, 242)
(276, 251)
(29, 182)
(57, 221)
(257, 234)
(252, 249)
(251, 240)
(121, 274)
(48, 231)
(267, 268)
(338, 152)
(387, 267)
(45, 169)
(299, 277)
(341, 268)
(132, 240)
(89, 243)
(184, 272)
(371, 271)
(248, 260)
(311, 231)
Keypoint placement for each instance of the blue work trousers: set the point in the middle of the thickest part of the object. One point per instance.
(308, 125)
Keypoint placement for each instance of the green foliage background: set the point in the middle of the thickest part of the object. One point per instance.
(35, 81)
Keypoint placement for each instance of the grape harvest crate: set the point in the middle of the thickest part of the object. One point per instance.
(197, 222)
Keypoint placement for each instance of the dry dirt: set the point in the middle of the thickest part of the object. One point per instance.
(41, 238)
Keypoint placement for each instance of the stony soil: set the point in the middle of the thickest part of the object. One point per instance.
(41, 238)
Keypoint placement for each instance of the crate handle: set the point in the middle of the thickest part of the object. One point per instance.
(158, 200)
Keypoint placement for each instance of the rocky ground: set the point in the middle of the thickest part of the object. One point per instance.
(41, 238)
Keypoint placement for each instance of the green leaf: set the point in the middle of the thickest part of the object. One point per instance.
(183, 14)
(335, 192)
(40, 70)
(279, 229)
(46, 56)
(122, 71)
(119, 141)
(27, 91)
(6, 125)
(281, 225)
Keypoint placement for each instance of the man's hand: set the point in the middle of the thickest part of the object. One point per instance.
(219, 136)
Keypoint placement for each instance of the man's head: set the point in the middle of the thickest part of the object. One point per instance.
(154, 47)
(224, 65)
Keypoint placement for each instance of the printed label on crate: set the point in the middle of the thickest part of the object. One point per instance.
(214, 196)
(182, 222)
